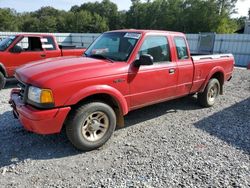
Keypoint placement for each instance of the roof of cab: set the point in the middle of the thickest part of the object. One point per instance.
(147, 31)
(34, 35)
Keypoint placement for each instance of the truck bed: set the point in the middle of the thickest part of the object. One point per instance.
(205, 64)
(72, 52)
(196, 57)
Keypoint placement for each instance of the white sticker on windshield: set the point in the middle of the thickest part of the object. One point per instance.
(133, 35)
(100, 51)
(12, 37)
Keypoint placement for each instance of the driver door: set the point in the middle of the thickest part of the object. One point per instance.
(157, 82)
(31, 51)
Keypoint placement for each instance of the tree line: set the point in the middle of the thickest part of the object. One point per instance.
(189, 16)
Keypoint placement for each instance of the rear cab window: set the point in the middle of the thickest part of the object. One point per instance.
(181, 48)
(48, 43)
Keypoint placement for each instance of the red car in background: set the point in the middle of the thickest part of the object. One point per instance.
(25, 48)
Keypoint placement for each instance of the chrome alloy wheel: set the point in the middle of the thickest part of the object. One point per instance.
(95, 126)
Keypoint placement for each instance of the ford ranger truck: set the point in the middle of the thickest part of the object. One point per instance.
(25, 48)
(121, 71)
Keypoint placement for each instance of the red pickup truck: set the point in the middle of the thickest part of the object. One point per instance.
(121, 71)
(24, 48)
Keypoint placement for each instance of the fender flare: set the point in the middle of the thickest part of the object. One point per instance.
(212, 72)
(3, 70)
(100, 89)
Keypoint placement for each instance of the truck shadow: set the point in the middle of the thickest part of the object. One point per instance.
(169, 107)
(18, 145)
(232, 125)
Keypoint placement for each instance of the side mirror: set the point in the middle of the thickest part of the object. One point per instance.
(16, 49)
(144, 59)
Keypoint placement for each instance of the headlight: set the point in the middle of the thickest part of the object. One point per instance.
(40, 96)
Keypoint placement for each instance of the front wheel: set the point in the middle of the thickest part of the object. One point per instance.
(91, 125)
(2, 81)
(210, 94)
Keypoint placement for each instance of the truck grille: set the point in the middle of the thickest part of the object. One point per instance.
(23, 92)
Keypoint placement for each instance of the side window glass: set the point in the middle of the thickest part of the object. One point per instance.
(48, 43)
(181, 48)
(157, 47)
(30, 44)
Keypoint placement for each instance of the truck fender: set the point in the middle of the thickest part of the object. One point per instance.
(212, 72)
(100, 89)
(3, 70)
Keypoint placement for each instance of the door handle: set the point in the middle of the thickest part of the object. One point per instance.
(171, 71)
(43, 55)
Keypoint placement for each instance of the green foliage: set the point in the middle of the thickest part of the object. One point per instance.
(8, 20)
(226, 26)
(190, 16)
(106, 9)
(84, 21)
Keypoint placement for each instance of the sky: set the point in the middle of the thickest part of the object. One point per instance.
(30, 5)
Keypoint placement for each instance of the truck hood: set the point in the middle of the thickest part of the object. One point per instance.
(66, 69)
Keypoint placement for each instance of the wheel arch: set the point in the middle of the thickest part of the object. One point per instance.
(105, 94)
(219, 74)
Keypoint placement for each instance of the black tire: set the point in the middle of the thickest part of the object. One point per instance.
(210, 94)
(2, 81)
(82, 125)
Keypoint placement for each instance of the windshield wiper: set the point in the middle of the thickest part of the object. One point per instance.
(100, 56)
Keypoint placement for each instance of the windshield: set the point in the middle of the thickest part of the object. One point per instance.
(5, 43)
(116, 46)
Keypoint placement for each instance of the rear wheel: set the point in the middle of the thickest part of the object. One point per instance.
(91, 125)
(2, 80)
(210, 94)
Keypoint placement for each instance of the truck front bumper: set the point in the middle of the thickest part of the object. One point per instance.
(35, 120)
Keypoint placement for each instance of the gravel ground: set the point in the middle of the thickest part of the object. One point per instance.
(172, 144)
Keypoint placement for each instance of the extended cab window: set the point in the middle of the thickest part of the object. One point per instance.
(48, 43)
(157, 47)
(181, 48)
(30, 44)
